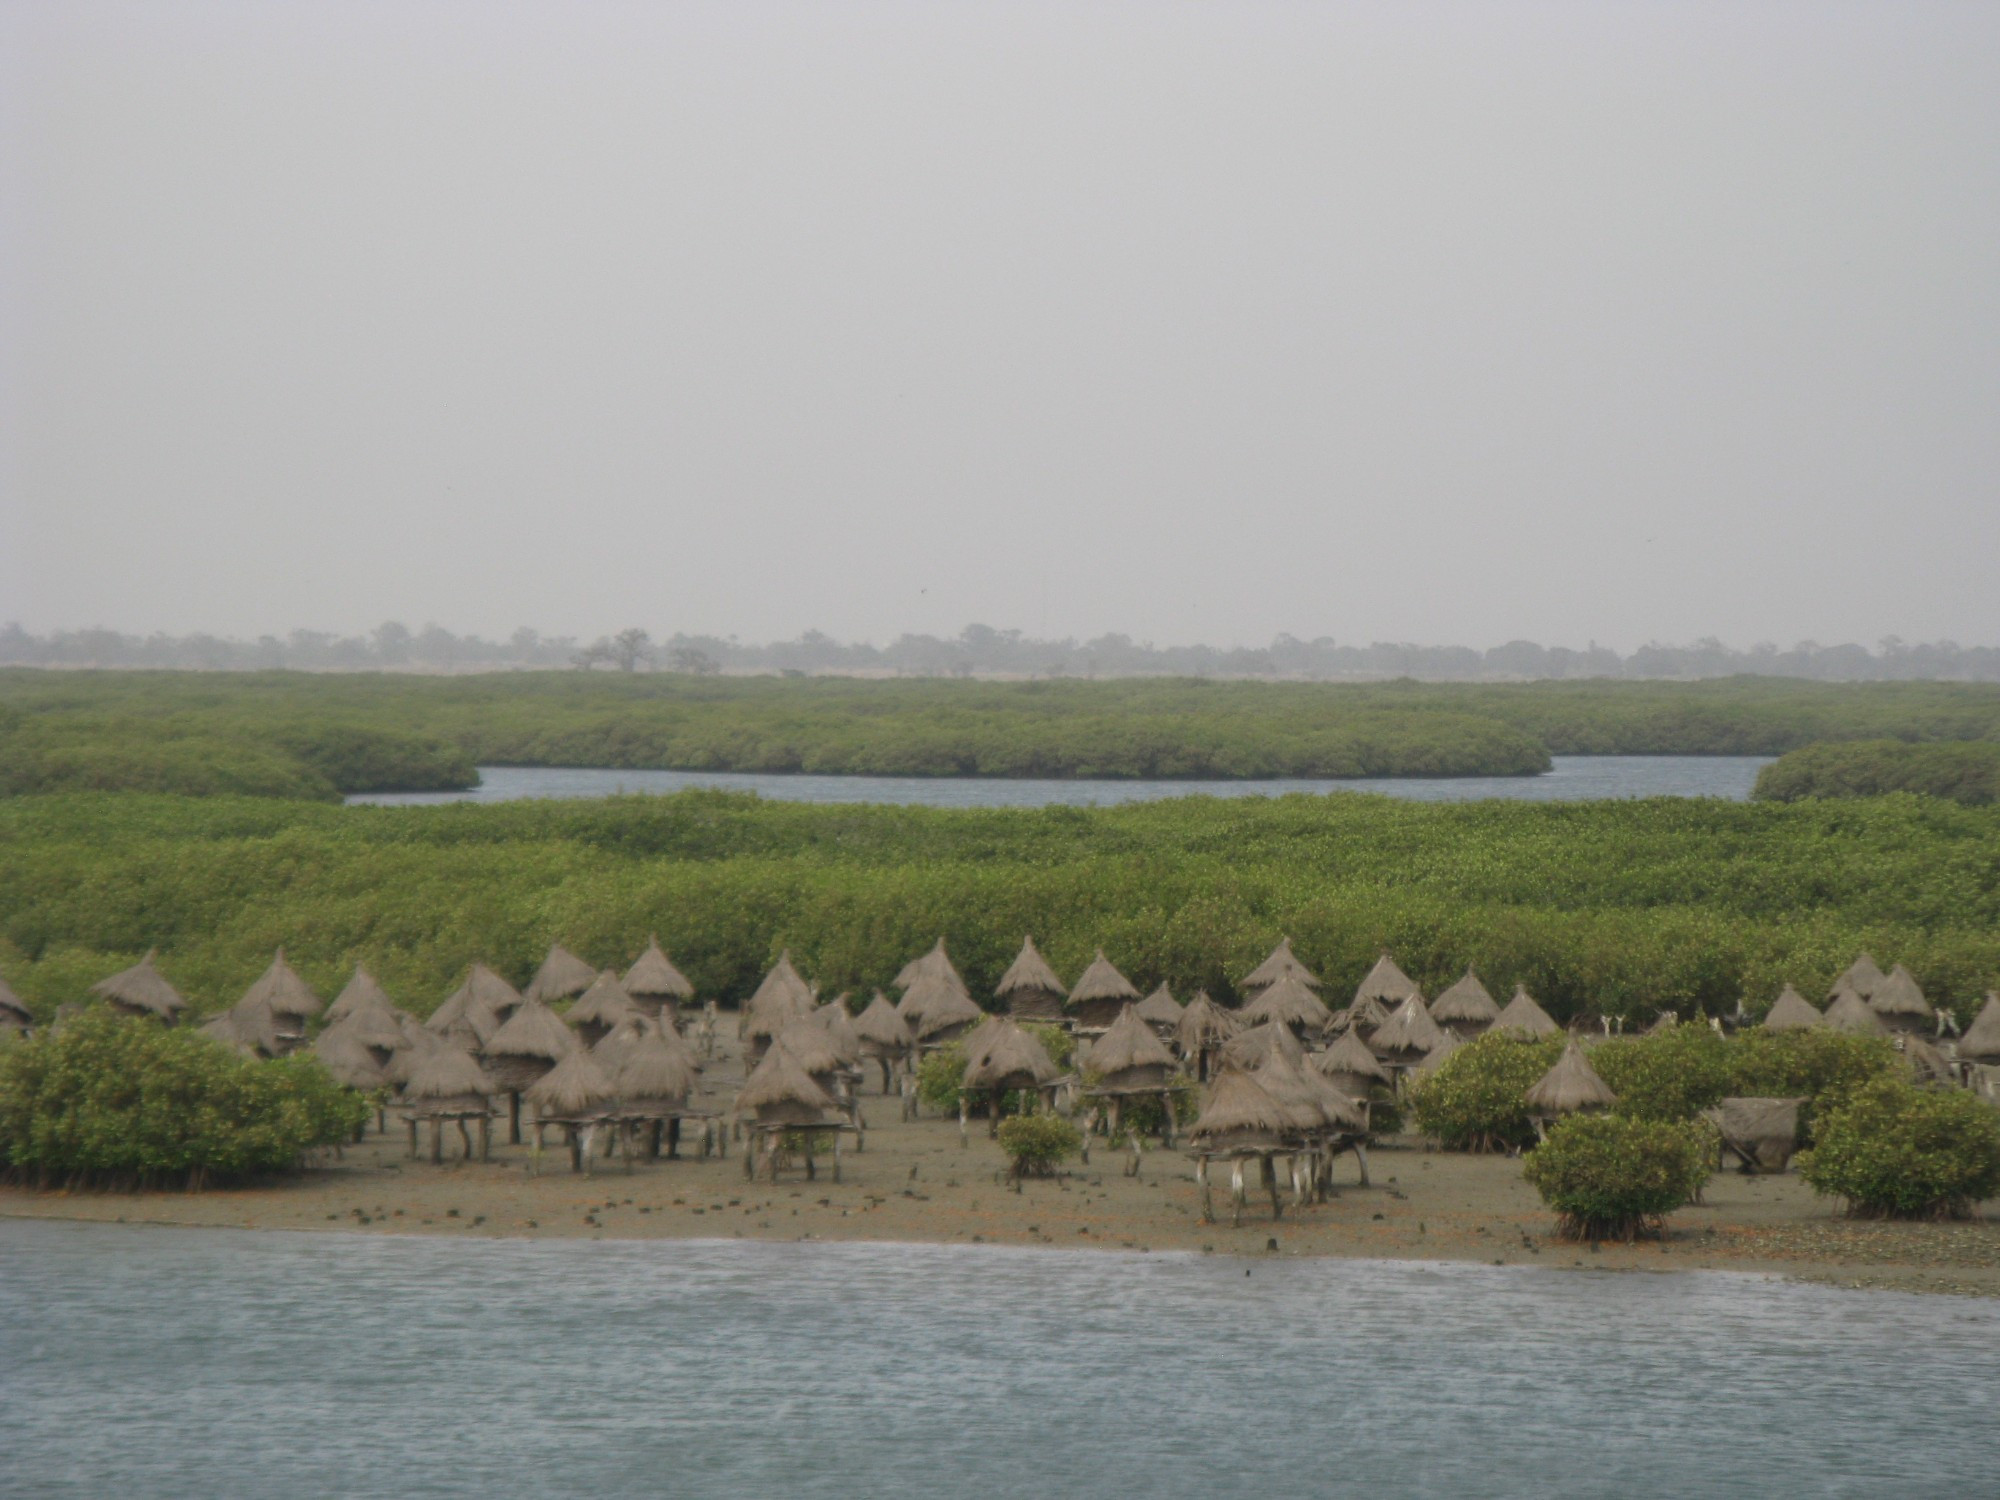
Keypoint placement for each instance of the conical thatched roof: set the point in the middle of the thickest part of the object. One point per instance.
(574, 1089)
(1287, 1001)
(610, 1049)
(477, 1008)
(1102, 981)
(381, 1030)
(1849, 1012)
(280, 987)
(1899, 995)
(1205, 1024)
(142, 988)
(653, 976)
(1282, 964)
(781, 996)
(1522, 1014)
(1386, 984)
(1791, 1011)
(1571, 1085)
(562, 973)
(935, 962)
(230, 1030)
(1320, 1105)
(1001, 1055)
(653, 1073)
(533, 1031)
(1249, 1047)
(1029, 971)
(1238, 1110)
(1467, 1003)
(1981, 1042)
(778, 1088)
(837, 1022)
(1160, 1009)
(1433, 1059)
(417, 1046)
(1365, 1016)
(1862, 976)
(1409, 1034)
(1130, 1043)
(807, 1040)
(348, 1059)
(445, 1081)
(880, 1026)
(933, 1005)
(360, 993)
(1350, 1057)
(604, 1004)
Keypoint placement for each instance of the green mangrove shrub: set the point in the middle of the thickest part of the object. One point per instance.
(1671, 1075)
(1476, 1100)
(1614, 1177)
(1037, 1144)
(1894, 1151)
(1823, 1067)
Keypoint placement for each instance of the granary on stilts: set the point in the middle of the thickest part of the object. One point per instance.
(1351, 1066)
(1282, 964)
(1407, 1037)
(1242, 1121)
(476, 1009)
(1001, 1059)
(1099, 993)
(937, 1011)
(781, 997)
(599, 1009)
(447, 1084)
(1570, 1087)
(288, 999)
(528, 1044)
(1466, 1009)
(656, 986)
(655, 1081)
(1161, 1011)
(788, 1114)
(1030, 989)
(1288, 1001)
(1201, 1032)
(885, 1037)
(1129, 1062)
(577, 1095)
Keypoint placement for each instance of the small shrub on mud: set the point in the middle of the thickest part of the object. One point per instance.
(1609, 1177)
(1898, 1152)
(1037, 1144)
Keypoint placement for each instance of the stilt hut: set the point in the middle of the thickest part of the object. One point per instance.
(935, 962)
(447, 1084)
(781, 997)
(1161, 1011)
(1900, 1002)
(1287, 1001)
(656, 986)
(1240, 1121)
(837, 1021)
(1000, 1059)
(1406, 1038)
(1570, 1087)
(1129, 1062)
(783, 1103)
(1282, 964)
(349, 1060)
(1249, 1047)
(1330, 1122)
(1521, 1014)
(1099, 993)
(1761, 1134)
(562, 974)
(14, 1015)
(229, 1029)
(1981, 1042)
(885, 1037)
(142, 990)
(289, 998)
(837, 1071)
(600, 1008)
(360, 993)
(577, 1095)
(1351, 1066)
(1466, 1009)
(379, 1030)
(417, 1045)
(1863, 976)
(937, 1012)
(517, 1056)
(1849, 1012)
(1791, 1011)
(655, 1082)
(1030, 989)
(1203, 1029)
(1386, 985)
(476, 1009)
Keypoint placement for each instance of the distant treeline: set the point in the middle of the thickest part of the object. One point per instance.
(1968, 773)
(982, 651)
(1615, 908)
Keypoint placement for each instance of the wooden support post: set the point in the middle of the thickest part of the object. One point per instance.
(964, 1136)
(1201, 1180)
(1361, 1155)
(749, 1166)
(413, 1137)
(465, 1136)
(514, 1116)
(1271, 1182)
(486, 1137)
(437, 1140)
(836, 1155)
(575, 1143)
(1236, 1190)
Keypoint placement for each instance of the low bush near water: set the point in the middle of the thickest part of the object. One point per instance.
(1898, 1152)
(1475, 1101)
(1037, 1144)
(1609, 1177)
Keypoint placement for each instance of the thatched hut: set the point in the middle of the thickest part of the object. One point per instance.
(1407, 1037)
(14, 1013)
(528, 1044)
(1287, 1001)
(289, 998)
(937, 1011)
(1466, 1009)
(885, 1037)
(476, 1009)
(1900, 1002)
(655, 985)
(142, 990)
(1521, 1014)
(447, 1084)
(1849, 1012)
(232, 1031)
(655, 1081)
(1926, 1063)
(1241, 1120)
(1099, 993)
(1386, 984)
(837, 1021)
(935, 962)
(1249, 1047)
(360, 993)
(1981, 1042)
(349, 1060)
(1434, 1059)
(1761, 1134)
(781, 997)
(578, 1095)
(562, 974)
(1862, 976)
(1351, 1066)
(813, 1045)
(1791, 1011)
(782, 1101)
(1161, 1011)
(1570, 1087)
(1030, 989)
(1130, 1061)
(1362, 1017)
(1282, 964)
(1333, 1111)
(1001, 1058)
(601, 1008)
(1203, 1029)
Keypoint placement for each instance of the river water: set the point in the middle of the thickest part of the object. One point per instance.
(216, 1364)
(1575, 778)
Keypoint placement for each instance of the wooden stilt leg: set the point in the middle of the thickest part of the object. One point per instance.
(964, 1136)
(836, 1156)
(1361, 1155)
(413, 1137)
(1201, 1180)
(437, 1141)
(465, 1138)
(575, 1142)
(1236, 1191)
(514, 1117)
(486, 1137)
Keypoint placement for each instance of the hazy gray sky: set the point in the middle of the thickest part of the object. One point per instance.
(1445, 323)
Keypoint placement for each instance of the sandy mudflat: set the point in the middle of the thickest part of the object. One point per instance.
(916, 1182)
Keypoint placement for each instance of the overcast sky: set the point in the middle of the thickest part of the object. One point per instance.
(1438, 323)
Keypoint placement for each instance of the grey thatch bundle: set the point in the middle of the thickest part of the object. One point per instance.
(349, 1060)
(1849, 1012)
(1204, 1024)
(1572, 1085)
(1000, 1055)
(653, 1076)
(781, 1092)
(1409, 1034)
(1352, 1064)
(1466, 1007)
(1030, 979)
(1288, 1002)
(1130, 1055)
(1239, 1114)
(1763, 1132)
(936, 1010)
(361, 993)
(601, 1007)
(1862, 976)
(574, 1091)
(1161, 1011)
(1899, 1000)
(142, 990)
(446, 1081)
(1385, 984)
(1791, 1011)
(283, 991)
(562, 973)
(654, 982)
(882, 1031)
(1981, 1042)
(1522, 1014)
(1249, 1047)
(527, 1044)
(1282, 964)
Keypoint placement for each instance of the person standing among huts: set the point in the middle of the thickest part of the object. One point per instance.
(785, 1107)
(528, 1044)
(1129, 1062)
(1282, 964)
(1791, 1011)
(781, 997)
(1099, 993)
(561, 975)
(1030, 990)
(142, 990)
(577, 1095)
(1523, 1016)
(1003, 1058)
(656, 986)
(1572, 1086)
(1201, 1032)
(886, 1038)
(1287, 1001)
(447, 1084)
(1466, 1009)
(601, 1008)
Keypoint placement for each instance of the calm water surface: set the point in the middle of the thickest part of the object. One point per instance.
(158, 1362)
(1576, 778)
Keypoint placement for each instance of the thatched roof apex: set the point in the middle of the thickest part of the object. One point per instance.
(1981, 1042)
(562, 973)
(1160, 1008)
(1204, 1023)
(1386, 983)
(532, 1031)
(1319, 1103)
(781, 994)
(1522, 1014)
(1791, 1011)
(444, 1072)
(1862, 976)
(348, 1059)
(1102, 981)
(1466, 1003)
(1128, 1043)
(653, 1072)
(361, 992)
(1849, 1012)
(1238, 1105)
(370, 1027)
(1002, 1054)
(575, 1088)
(1571, 1085)
(280, 987)
(653, 973)
(605, 1003)
(880, 1024)
(1289, 1002)
(477, 1008)
(1351, 1057)
(935, 962)
(1899, 995)
(837, 1022)
(1249, 1046)
(1409, 1031)
(142, 987)
(933, 1004)
(1029, 971)
(1281, 964)
(779, 1080)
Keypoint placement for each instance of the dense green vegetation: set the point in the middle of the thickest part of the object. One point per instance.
(301, 734)
(1037, 1144)
(1475, 1101)
(112, 1101)
(1617, 908)
(1966, 772)
(1612, 1176)
(1896, 1151)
